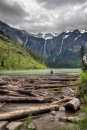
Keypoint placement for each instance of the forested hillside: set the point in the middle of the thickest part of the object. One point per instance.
(16, 56)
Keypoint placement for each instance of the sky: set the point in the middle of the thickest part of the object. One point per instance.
(44, 16)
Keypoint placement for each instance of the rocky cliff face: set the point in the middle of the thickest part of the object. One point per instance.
(66, 41)
(56, 47)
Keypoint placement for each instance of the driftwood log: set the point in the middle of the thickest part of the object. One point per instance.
(70, 119)
(36, 110)
(35, 89)
(3, 124)
(73, 104)
(28, 89)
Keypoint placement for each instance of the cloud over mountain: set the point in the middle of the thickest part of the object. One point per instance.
(44, 15)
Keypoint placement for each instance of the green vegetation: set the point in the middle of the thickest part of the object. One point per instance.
(57, 91)
(63, 128)
(15, 56)
(50, 89)
(25, 124)
(53, 109)
(83, 124)
(82, 90)
(19, 127)
(29, 119)
(82, 53)
(66, 59)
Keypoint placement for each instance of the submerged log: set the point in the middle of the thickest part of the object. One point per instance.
(74, 104)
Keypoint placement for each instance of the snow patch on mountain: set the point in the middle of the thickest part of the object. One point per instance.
(65, 36)
(83, 31)
(46, 36)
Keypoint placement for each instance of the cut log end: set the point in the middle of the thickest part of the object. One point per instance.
(73, 105)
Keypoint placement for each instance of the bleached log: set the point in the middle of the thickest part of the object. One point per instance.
(3, 125)
(22, 113)
(67, 99)
(2, 104)
(74, 104)
(76, 119)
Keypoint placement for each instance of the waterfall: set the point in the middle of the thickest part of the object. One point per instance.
(45, 48)
(59, 51)
(26, 41)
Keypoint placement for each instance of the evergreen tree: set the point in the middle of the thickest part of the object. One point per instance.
(82, 52)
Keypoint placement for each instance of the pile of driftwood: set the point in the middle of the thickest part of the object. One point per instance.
(13, 93)
(35, 89)
(31, 89)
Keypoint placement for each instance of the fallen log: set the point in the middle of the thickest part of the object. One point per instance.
(13, 125)
(74, 104)
(23, 113)
(1, 105)
(63, 100)
(3, 83)
(25, 99)
(46, 86)
(3, 125)
(71, 119)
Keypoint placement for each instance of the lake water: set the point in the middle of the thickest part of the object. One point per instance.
(37, 72)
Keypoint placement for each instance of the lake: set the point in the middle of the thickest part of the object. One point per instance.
(38, 72)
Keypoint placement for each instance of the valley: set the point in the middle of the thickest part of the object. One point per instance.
(58, 49)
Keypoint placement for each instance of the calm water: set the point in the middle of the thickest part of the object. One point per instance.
(38, 72)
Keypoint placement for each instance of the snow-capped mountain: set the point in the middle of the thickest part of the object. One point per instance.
(64, 47)
(46, 35)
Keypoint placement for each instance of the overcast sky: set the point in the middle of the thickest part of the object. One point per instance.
(44, 15)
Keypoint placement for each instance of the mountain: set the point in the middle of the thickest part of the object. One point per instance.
(46, 36)
(15, 56)
(63, 48)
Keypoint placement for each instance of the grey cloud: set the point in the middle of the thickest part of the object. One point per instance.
(12, 13)
(76, 20)
(47, 16)
(11, 9)
(53, 4)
